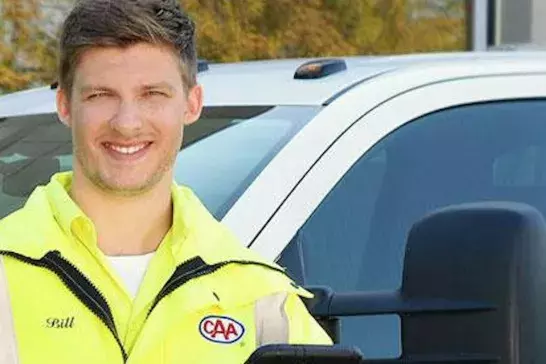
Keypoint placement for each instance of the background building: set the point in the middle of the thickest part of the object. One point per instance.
(506, 22)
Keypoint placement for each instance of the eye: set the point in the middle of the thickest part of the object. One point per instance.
(156, 93)
(96, 95)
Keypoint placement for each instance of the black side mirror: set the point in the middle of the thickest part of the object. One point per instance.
(305, 354)
(473, 291)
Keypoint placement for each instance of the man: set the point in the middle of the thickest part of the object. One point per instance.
(113, 263)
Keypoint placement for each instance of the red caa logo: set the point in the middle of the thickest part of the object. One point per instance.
(221, 329)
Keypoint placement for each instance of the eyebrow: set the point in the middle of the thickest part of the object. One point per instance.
(94, 88)
(153, 86)
(159, 85)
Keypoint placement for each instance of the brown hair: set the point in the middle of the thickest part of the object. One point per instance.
(122, 23)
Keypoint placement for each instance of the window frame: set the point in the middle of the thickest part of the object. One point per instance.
(373, 127)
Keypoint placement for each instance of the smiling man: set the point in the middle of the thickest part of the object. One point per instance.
(113, 262)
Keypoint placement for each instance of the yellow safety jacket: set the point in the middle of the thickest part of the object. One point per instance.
(204, 298)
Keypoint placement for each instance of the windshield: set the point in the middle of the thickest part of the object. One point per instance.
(223, 152)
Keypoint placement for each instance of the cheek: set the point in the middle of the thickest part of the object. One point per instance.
(171, 122)
(173, 134)
(100, 111)
(87, 125)
(96, 112)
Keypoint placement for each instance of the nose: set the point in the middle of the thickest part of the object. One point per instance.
(128, 120)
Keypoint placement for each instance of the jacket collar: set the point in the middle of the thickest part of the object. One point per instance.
(50, 216)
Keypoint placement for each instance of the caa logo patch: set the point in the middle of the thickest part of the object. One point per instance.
(221, 329)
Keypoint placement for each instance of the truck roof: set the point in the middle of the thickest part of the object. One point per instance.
(272, 82)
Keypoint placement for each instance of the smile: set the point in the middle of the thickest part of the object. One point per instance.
(127, 150)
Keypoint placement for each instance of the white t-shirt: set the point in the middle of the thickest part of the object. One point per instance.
(131, 269)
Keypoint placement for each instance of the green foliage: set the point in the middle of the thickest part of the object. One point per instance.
(235, 30)
(27, 53)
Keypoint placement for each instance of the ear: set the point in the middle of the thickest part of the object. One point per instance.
(63, 106)
(194, 104)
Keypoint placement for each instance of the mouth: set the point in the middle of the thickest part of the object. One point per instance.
(127, 149)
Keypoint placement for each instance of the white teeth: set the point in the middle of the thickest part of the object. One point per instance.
(128, 150)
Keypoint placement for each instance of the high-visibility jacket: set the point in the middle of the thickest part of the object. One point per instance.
(204, 298)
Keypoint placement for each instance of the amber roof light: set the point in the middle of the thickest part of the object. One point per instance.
(319, 69)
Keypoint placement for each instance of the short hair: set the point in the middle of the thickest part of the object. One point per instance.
(123, 23)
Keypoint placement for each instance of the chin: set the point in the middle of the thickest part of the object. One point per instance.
(126, 188)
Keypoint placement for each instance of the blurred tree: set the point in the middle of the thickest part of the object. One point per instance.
(26, 52)
(236, 30)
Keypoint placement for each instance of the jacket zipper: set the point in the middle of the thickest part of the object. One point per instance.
(79, 286)
(195, 268)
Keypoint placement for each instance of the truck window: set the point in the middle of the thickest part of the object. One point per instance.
(355, 239)
(215, 160)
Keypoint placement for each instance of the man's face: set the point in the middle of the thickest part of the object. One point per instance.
(127, 111)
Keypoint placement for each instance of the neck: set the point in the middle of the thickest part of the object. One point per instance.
(126, 225)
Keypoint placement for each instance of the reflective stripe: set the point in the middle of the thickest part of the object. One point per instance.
(271, 320)
(8, 350)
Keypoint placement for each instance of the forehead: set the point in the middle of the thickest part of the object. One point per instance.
(135, 64)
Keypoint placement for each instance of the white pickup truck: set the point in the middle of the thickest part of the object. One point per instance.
(325, 165)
